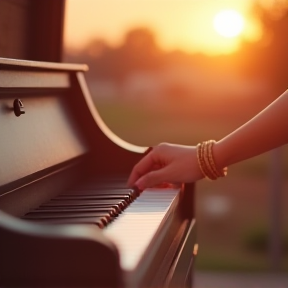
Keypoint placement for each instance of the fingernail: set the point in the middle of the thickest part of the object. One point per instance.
(136, 190)
(139, 185)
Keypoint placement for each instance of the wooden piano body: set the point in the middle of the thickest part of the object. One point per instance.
(61, 143)
(61, 148)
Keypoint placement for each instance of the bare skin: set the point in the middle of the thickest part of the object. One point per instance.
(178, 163)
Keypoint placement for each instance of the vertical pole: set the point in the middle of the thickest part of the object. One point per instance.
(275, 206)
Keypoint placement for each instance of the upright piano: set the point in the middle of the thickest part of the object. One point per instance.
(67, 218)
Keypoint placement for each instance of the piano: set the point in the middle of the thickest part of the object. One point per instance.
(67, 218)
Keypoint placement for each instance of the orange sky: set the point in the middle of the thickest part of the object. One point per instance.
(185, 24)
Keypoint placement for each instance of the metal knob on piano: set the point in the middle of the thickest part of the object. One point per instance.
(18, 107)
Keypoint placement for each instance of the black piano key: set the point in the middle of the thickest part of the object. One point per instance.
(101, 203)
(111, 211)
(126, 198)
(96, 191)
(133, 193)
(55, 215)
(115, 208)
(88, 220)
(121, 193)
(99, 221)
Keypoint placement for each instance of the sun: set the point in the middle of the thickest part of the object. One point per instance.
(228, 23)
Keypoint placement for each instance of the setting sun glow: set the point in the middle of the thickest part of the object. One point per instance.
(208, 26)
(228, 23)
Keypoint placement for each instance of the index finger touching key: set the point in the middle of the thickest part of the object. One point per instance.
(142, 167)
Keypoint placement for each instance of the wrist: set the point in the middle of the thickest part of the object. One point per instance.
(220, 157)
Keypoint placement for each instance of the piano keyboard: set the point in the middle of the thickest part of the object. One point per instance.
(92, 203)
(129, 218)
(137, 225)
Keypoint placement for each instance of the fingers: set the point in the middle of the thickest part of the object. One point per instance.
(145, 165)
(152, 178)
(166, 163)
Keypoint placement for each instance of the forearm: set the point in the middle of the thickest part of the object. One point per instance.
(266, 131)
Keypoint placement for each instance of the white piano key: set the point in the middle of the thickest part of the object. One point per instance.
(134, 229)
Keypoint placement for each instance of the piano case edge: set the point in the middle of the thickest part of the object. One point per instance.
(46, 249)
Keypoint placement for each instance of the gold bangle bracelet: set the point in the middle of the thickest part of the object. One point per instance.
(206, 161)
(211, 159)
(222, 172)
(199, 159)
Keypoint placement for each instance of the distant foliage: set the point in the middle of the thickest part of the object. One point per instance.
(266, 59)
(257, 240)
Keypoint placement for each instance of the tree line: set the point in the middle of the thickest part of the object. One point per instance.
(139, 52)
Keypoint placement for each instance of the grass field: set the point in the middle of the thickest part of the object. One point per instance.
(242, 199)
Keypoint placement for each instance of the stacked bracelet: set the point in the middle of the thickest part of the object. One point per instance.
(206, 161)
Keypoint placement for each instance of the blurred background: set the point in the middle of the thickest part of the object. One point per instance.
(184, 71)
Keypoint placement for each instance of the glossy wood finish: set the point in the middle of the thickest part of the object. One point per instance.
(42, 137)
(14, 26)
(59, 142)
(32, 29)
(19, 64)
(55, 256)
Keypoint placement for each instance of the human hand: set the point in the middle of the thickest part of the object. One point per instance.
(166, 163)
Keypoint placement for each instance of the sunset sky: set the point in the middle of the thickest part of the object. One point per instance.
(184, 24)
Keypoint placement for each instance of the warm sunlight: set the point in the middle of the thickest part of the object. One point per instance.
(186, 25)
(228, 23)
